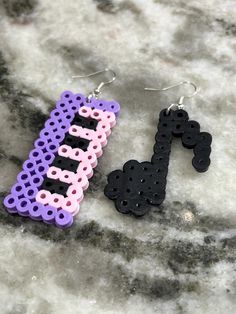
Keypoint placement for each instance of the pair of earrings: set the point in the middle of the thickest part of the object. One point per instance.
(54, 178)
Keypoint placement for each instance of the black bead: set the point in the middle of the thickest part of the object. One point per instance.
(162, 148)
(163, 137)
(192, 126)
(178, 128)
(88, 123)
(164, 116)
(201, 164)
(165, 126)
(76, 142)
(205, 137)
(55, 186)
(202, 149)
(189, 139)
(180, 115)
(65, 163)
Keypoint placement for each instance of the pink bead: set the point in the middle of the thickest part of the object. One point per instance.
(104, 127)
(101, 137)
(56, 200)
(85, 168)
(75, 191)
(95, 147)
(68, 176)
(111, 118)
(85, 111)
(43, 197)
(97, 114)
(65, 151)
(82, 180)
(86, 133)
(54, 173)
(75, 130)
(92, 159)
(77, 154)
(70, 205)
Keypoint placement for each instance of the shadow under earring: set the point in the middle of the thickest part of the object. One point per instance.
(141, 185)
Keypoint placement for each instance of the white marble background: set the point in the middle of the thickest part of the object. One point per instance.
(180, 259)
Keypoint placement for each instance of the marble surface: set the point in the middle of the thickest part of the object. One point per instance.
(179, 258)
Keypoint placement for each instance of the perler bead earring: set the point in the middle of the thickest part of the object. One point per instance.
(141, 185)
(54, 178)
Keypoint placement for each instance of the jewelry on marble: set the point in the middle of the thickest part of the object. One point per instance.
(141, 185)
(55, 176)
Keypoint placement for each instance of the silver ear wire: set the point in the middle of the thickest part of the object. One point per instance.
(180, 103)
(97, 91)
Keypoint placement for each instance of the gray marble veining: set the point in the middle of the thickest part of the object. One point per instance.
(179, 258)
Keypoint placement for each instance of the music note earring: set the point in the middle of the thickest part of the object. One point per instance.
(53, 180)
(141, 185)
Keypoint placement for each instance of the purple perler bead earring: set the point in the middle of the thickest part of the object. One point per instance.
(141, 185)
(55, 176)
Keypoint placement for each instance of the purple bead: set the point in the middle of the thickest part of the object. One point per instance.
(23, 206)
(29, 165)
(64, 107)
(48, 214)
(74, 107)
(69, 117)
(23, 177)
(10, 202)
(36, 155)
(48, 158)
(57, 115)
(36, 180)
(18, 189)
(63, 219)
(51, 123)
(45, 135)
(41, 169)
(40, 143)
(52, 147)
(79, 100)
(36, 210)
(67, 95)
(58, 137)
(30, 192)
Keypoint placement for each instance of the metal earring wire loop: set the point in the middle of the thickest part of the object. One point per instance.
(97, 91)
(180, 103)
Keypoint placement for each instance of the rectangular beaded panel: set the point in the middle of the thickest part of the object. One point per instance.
(55, 176)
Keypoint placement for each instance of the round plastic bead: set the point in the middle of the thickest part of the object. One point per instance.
(63, 219)
(10, 202)
(189, 139)
(23, 206)
(35, 211)
(201, 164)
(24, 176)
(48, 214)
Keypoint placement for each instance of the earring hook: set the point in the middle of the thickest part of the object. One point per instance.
(180, 104)
(97, 91)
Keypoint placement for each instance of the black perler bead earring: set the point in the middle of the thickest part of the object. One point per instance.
(141, 185)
